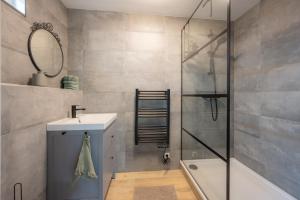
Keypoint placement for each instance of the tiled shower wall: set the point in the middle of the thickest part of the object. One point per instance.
(113, 54)
(16, 65)
(267, 92)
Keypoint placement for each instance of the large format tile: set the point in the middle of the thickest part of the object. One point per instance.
(57, 9)
(105, 40)
(77, 59)
(76, 18)
(278, 16)
(105, 21)
(276, 79)
(16, 67)
(247, 123)
(23, 163)
(104, 102)
(143, 62)
(174, 25)
(283, 49)
(249, 102)
(104, 61)
(283, 105)
(145, 41)
(97, 82)
(38, 104)
(14, 35)
(146, 23)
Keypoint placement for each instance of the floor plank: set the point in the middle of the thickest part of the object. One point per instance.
(122, 188)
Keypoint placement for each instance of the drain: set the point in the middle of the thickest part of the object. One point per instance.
(193, 167)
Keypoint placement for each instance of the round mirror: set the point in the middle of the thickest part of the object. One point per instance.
(45, 50)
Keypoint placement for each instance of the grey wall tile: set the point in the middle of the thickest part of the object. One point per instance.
(104, 102)
(173, 44)
(143, 62)
(14, 35)
(11, 70)
(142, 81)
(145, 41)
(105, 21)
(266, 115)
(282, 49)
(278, 16)
(57, 9)
(249, 102)
(76, 59)
(103, 40)
(97, 82)
(248, 82)
(23, 163)
(174, 24)
(275, 79)
(76, 18)
(247, 123)
(104, 61)
(172, 63)
(282, 105)
(146, 23)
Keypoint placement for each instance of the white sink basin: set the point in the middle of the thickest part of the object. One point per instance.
(83, 122)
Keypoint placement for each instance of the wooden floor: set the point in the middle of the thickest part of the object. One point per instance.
(122, 188)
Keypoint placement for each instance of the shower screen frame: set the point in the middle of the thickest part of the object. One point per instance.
(227, 95)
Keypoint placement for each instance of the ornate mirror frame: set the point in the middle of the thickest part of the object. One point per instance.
(47, 27)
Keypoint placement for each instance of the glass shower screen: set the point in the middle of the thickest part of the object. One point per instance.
(205, 98)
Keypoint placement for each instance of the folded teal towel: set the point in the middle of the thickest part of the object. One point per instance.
(85, 165)
(71, 87)
(71, 82)
(71, 78)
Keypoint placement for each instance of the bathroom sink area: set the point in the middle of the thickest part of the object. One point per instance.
(88, 143)
(83, 122)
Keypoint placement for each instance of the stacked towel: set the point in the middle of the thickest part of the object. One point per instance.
(71, 82)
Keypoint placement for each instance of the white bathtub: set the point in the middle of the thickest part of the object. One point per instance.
(245, 183)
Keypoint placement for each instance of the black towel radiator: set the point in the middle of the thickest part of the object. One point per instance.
(152, 132)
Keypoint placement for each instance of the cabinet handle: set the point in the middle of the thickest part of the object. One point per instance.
(112, 136)
(112, 157)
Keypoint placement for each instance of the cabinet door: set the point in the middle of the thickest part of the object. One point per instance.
(64, 152)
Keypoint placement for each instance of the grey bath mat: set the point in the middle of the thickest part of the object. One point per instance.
(155, 193)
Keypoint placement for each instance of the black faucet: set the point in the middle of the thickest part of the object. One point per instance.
(75, 109)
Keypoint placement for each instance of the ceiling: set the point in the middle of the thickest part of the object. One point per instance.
(175, 8)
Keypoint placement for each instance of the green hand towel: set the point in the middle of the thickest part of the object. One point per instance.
(85, 166)
(71, 78)
(71, 85)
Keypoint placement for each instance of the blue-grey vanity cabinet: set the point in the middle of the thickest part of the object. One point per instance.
(63, 151)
